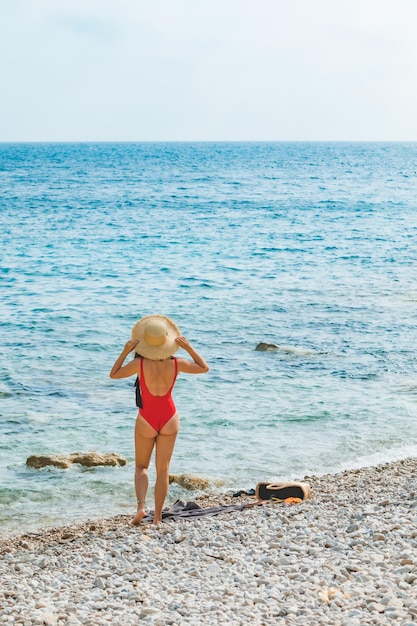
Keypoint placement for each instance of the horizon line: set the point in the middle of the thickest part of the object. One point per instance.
(189, 141)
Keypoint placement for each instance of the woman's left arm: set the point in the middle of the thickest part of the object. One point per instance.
(197, 365)
(124, 371)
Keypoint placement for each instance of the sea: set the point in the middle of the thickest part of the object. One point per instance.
(307, 246)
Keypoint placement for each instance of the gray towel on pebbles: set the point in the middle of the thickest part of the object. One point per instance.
(190, 510)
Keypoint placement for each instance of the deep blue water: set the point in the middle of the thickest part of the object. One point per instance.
(308, 246)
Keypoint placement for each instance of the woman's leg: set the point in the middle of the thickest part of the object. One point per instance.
(144, 443)
(165, 442)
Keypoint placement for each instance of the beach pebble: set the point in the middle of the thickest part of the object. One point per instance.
(99, 583)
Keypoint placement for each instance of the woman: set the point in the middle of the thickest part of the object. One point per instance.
(155, 339)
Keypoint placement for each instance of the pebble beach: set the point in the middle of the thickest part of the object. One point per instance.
(347, 556)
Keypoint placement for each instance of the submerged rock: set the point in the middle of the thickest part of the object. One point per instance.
(273, 347)
(193, 482)
(87, 459)
(39, 460)
(265, 347)
(92, 458)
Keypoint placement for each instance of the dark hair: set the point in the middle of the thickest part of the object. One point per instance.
(139, 356)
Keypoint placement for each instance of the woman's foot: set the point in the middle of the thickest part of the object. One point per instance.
(140, 514)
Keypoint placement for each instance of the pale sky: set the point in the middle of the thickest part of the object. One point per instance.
(208, 70)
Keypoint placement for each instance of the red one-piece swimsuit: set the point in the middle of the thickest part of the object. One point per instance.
(157, 410)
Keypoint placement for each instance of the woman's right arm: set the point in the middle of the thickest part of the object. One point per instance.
(124, 371)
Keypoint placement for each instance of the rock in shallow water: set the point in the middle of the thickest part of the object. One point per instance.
(266, 347)
(193, 482)
(87, 459)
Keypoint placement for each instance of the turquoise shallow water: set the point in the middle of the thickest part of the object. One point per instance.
(309, 246)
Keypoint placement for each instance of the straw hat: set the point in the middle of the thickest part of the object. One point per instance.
(156, 334)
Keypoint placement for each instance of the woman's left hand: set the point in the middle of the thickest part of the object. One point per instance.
(130, 345)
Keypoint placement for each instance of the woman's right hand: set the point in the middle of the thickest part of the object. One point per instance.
(183, 343)
(199, 366)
